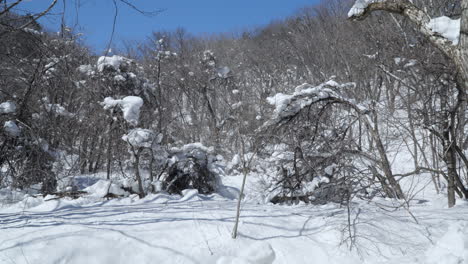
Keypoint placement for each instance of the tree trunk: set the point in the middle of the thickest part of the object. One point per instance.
(84, 154)
(136, 164)
(109, 150)
(451, 161)
(387, 170)
(448, 156)
(463, 46)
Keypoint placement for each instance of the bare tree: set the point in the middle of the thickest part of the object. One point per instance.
(458, 54)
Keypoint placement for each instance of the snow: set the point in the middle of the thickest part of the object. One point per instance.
(411, 63)
(130, 106)
(140, 137)
(398, 60)
(279, 100)
(113, 62)
(11, 129)
(223, 72)
(86, 69)
(7, 107)
(58, 110)
(256, 253)
(236, 105)
(32, 31)
(196, 228)
(359, 6)
(103, 187)
(447, 27)
(193, 147)
(119, 78)
(304, 95)
(452, 247)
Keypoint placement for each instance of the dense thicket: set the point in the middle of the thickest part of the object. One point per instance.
(390, 86)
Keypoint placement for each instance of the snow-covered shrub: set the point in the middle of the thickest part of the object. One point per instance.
(113, 63)
(192, 166)
(312, 146)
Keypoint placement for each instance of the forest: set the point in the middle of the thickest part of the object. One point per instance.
(337, 134)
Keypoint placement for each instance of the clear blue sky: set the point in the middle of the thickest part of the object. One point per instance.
(95, 17)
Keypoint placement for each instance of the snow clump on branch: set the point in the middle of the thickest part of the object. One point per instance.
(358, 8)
(447, 27)
(130, 106)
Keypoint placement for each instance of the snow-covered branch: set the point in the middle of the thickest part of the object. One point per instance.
(442, 32)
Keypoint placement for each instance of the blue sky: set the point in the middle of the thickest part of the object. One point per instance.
(95, 17)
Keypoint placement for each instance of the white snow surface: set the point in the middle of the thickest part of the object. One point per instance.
(359, 6)
(195, 228)
(447, 27)
(7, 107)
(130, 106)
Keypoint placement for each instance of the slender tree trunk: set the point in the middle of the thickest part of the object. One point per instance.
(245, 165)
(463, 45)
(239, 201)
(97, 164)
(83, 154)
(387, 170)
(136, 165)
(109, 151)
(91, 154)
(450, 159)
(449, 154)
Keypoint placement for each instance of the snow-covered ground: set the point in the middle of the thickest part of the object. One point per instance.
(197, 229)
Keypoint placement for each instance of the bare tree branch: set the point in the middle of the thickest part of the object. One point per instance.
(8, 8)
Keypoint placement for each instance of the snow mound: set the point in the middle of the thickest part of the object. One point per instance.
(130, 106)
(103, 187)
(452, 248)
(447, 27)
(7, 107)
(189, 194)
